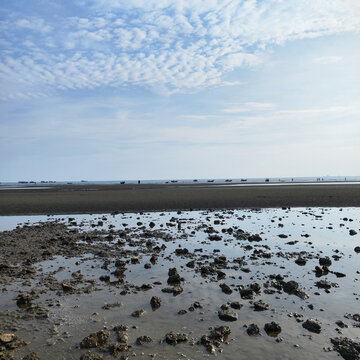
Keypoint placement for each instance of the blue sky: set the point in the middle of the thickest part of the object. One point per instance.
(113, 89)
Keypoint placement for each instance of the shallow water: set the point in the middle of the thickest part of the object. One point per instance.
(80, 314)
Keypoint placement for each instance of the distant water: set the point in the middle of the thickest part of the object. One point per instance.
(285, 180)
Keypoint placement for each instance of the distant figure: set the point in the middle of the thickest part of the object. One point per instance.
(138, 181)
(292, 179)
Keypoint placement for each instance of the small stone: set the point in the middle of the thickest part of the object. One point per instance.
(260, 305)
(312, 326)
(93, 340)
(155, 302)
(138, 313)
(143, 340)
(173, 338)
(325, 261)
(227, 315)
(253, 330)
(352, 232)
(272, 329)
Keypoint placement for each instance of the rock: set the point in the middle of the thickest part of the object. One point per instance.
(323, 284)
(247, 293)
(321, 271)
(312, 326)
(176, 290)
(182, 312)
(217, 336)
(300, 261)
(260, 305)
(325, 261)
(352, 232)
(155, 302)
(138, 313)
(31, 356)
(174, 277)
(117, 348)
(341, 324)
(191, 264)
(143, 340)
(290, 287)
(95, 340)
(282, 236)
(357, 249)
(236, 305)
(91, 356)
(8, 338)
(113, 305)
(227, 315)
(226, 289)
(173, 338)
(254, 237)
(253, 330)
(347, 348)
(272, 329)
(24, 300)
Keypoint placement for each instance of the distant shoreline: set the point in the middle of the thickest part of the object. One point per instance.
(85, 198)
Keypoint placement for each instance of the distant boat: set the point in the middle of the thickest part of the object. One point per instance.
(122, 182)
(228, 180)
(174, 181)
(195, 180)
(267, 180)
(83, 181)
(210, 181)
(243, 179)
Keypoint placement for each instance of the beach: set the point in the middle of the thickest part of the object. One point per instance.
(84, 199)
(173, 271)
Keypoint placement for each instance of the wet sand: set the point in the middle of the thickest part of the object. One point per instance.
(81, 199)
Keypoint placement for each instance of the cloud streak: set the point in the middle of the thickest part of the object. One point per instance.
(167, 46)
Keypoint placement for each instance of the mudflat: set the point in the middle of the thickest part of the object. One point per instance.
(76, 199)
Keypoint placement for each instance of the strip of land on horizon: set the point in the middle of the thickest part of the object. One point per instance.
(78, 199)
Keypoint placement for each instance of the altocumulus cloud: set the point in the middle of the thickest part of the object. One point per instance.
(167, 46)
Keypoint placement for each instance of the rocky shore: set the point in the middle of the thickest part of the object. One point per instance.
(231, 283)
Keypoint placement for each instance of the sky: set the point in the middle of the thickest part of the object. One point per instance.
(164, 89)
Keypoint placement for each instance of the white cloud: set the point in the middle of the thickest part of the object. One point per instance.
(328, 60)
(166, 45)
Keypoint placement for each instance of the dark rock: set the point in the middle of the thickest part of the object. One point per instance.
(141, 340)
(325, 261)
(312, 326)
(247, 293)
(176, 290)
(226, 289)
(253, 330)
(357, 249)
(236, 305)
(323, 284)
(300, 261)
(352, 232)
(217, 336)
(254, 237)
(272, 329)
(91, 356)
(290, 287)
(155, 302)
(227, 315)
(173, 338)
(95, 340)
(260, 305)
(347, 348)
(24, 300)
(138, 313)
